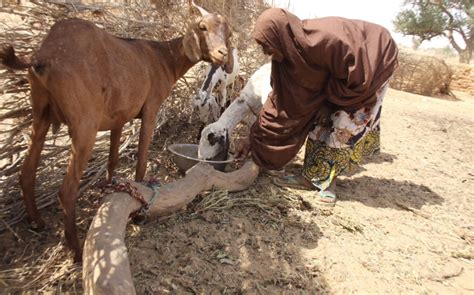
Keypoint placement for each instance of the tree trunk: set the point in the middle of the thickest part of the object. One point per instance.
(465, 56)
(106, 267)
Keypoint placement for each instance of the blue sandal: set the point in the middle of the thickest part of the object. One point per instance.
(290, 181)
(327, 198)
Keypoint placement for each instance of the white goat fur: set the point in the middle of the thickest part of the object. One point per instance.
(208, 107)
(248, 104)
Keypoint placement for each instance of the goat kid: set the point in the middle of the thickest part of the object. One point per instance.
(210, 107)
(92, 81)
(214, 139)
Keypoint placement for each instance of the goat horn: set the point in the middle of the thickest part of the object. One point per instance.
(201, 10)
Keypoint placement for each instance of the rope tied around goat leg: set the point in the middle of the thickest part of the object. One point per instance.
(154, 184)
(127, 187)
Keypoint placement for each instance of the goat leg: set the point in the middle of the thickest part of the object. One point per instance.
(146, 132)
(113, 152)
(82, 144)
(224, 95)
(41, 125)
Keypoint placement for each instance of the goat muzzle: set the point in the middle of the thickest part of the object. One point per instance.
(219, 56)
(223, 51)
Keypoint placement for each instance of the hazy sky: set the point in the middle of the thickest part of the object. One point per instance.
(381, 12)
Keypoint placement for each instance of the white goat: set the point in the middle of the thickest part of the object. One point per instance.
(215, 136)
(208, 106)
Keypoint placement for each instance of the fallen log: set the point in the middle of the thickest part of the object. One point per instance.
(106, 267)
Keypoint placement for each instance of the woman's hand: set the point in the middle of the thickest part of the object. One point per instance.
(243, 147)
(323, 116)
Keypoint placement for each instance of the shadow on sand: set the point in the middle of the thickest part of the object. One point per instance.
(378, 192)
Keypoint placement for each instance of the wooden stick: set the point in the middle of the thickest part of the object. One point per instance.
(106, 267)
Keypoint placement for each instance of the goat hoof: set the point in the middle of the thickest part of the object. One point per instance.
(102, 184)
(76, 251)
(78, 257)
(38, 224)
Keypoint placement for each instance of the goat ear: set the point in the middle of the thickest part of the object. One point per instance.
(226, 142)
(229, 65)
(211, 137)
(192, 47)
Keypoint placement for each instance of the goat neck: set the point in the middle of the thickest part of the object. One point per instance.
(234, 114)
(174, 57)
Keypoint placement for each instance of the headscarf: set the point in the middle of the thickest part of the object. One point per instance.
(333, 60)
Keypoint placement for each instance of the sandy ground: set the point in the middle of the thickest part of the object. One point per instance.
(412, 206)
(403, 224)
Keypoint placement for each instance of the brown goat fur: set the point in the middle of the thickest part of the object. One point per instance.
(91, 81)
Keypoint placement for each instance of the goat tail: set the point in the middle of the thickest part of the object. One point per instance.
(9, 59)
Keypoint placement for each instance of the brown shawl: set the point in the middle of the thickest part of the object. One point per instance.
(335, 60)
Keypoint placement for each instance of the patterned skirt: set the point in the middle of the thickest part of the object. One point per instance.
(352, 137)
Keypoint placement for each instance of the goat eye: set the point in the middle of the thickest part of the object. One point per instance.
(202, 26)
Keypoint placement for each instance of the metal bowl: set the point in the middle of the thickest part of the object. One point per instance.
(185, 157)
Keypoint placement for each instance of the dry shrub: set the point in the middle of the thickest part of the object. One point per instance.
(422, 74)
(463, 78)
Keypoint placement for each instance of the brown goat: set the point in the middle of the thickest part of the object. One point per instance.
(92, 81)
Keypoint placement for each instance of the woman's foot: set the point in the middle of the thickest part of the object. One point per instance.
(325, 197)
(328, 196)
(294, 181)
